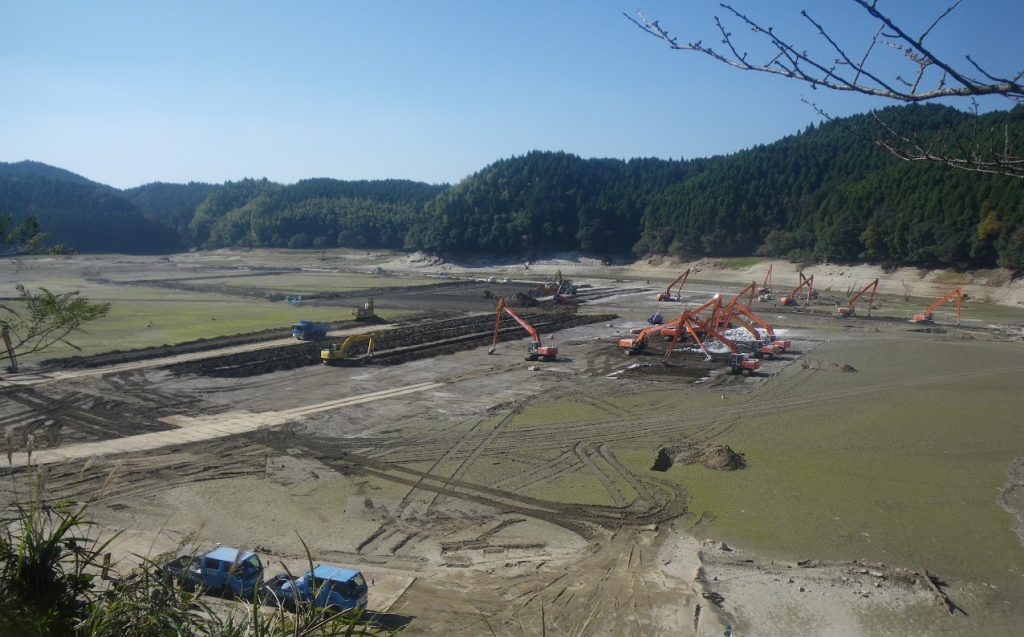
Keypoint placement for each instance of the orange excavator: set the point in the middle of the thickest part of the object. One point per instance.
(639, 342)
(849, 310)
(811, 292)
(808, 282)
(728, 309)
(926, 316)
(765, 289)
(536, 349)
(712, 307)
(679, 281)
(739, 362)
(687, 322)
(767, 344)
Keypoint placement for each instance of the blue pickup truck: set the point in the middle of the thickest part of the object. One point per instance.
(326, 586)
(309, 331)
(222, 570)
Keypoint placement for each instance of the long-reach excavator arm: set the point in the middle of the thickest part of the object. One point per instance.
(850, 309)
(805, 282)
(766, 286)
(926, 316)
(639, 342)
(679, 281)
(739, 362)
(536, 349)
(770, 345)
(727, 310)
(710, 311)
(687, 323)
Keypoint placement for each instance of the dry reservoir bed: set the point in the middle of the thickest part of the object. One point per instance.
(500, 487)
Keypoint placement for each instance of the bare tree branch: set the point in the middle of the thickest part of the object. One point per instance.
(845, 73)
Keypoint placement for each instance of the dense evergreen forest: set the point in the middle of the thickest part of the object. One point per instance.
(823, 193)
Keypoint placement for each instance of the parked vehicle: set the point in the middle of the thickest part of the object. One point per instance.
(329, 587)
(309, 331)
(222, 570)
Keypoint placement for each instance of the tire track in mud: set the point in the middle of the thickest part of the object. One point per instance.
(641, 489)
(583, 453)
(472, 458)
(78, 417)
(579, 519)
(531, 477)
(706, 424)
(407, 498)
(396, 525)
(142, 476)
(695, 421)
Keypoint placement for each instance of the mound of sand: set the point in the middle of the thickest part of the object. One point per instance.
(845, 368)
(717, 457)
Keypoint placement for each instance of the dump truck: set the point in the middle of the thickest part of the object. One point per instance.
(328, 587)
(222, 570)
(309, 331)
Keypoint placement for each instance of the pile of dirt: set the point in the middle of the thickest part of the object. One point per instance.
(523, 300)
(717, 457)
(845, 368)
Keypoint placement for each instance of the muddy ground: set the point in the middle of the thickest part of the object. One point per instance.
(510, 497)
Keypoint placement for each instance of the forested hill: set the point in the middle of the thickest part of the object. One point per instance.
(827, 194)
(79, 213)
(824, 193)
(162, 217)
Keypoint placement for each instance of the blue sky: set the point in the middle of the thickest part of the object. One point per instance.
(127, 93)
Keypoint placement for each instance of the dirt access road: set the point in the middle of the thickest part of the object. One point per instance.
(518, 498)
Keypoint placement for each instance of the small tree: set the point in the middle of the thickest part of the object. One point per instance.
(41, 319)
(23, 238)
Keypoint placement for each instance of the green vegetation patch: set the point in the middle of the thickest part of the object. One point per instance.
(902, 465)
(314, 282)
(177, 319)
(741, 263)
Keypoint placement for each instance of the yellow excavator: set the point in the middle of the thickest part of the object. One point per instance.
(337, 353)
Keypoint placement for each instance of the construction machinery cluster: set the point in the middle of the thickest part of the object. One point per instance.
(729, 327)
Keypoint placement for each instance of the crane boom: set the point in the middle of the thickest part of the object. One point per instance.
(926, 316)
(680, 280)
(536, 349)
(850, 309)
